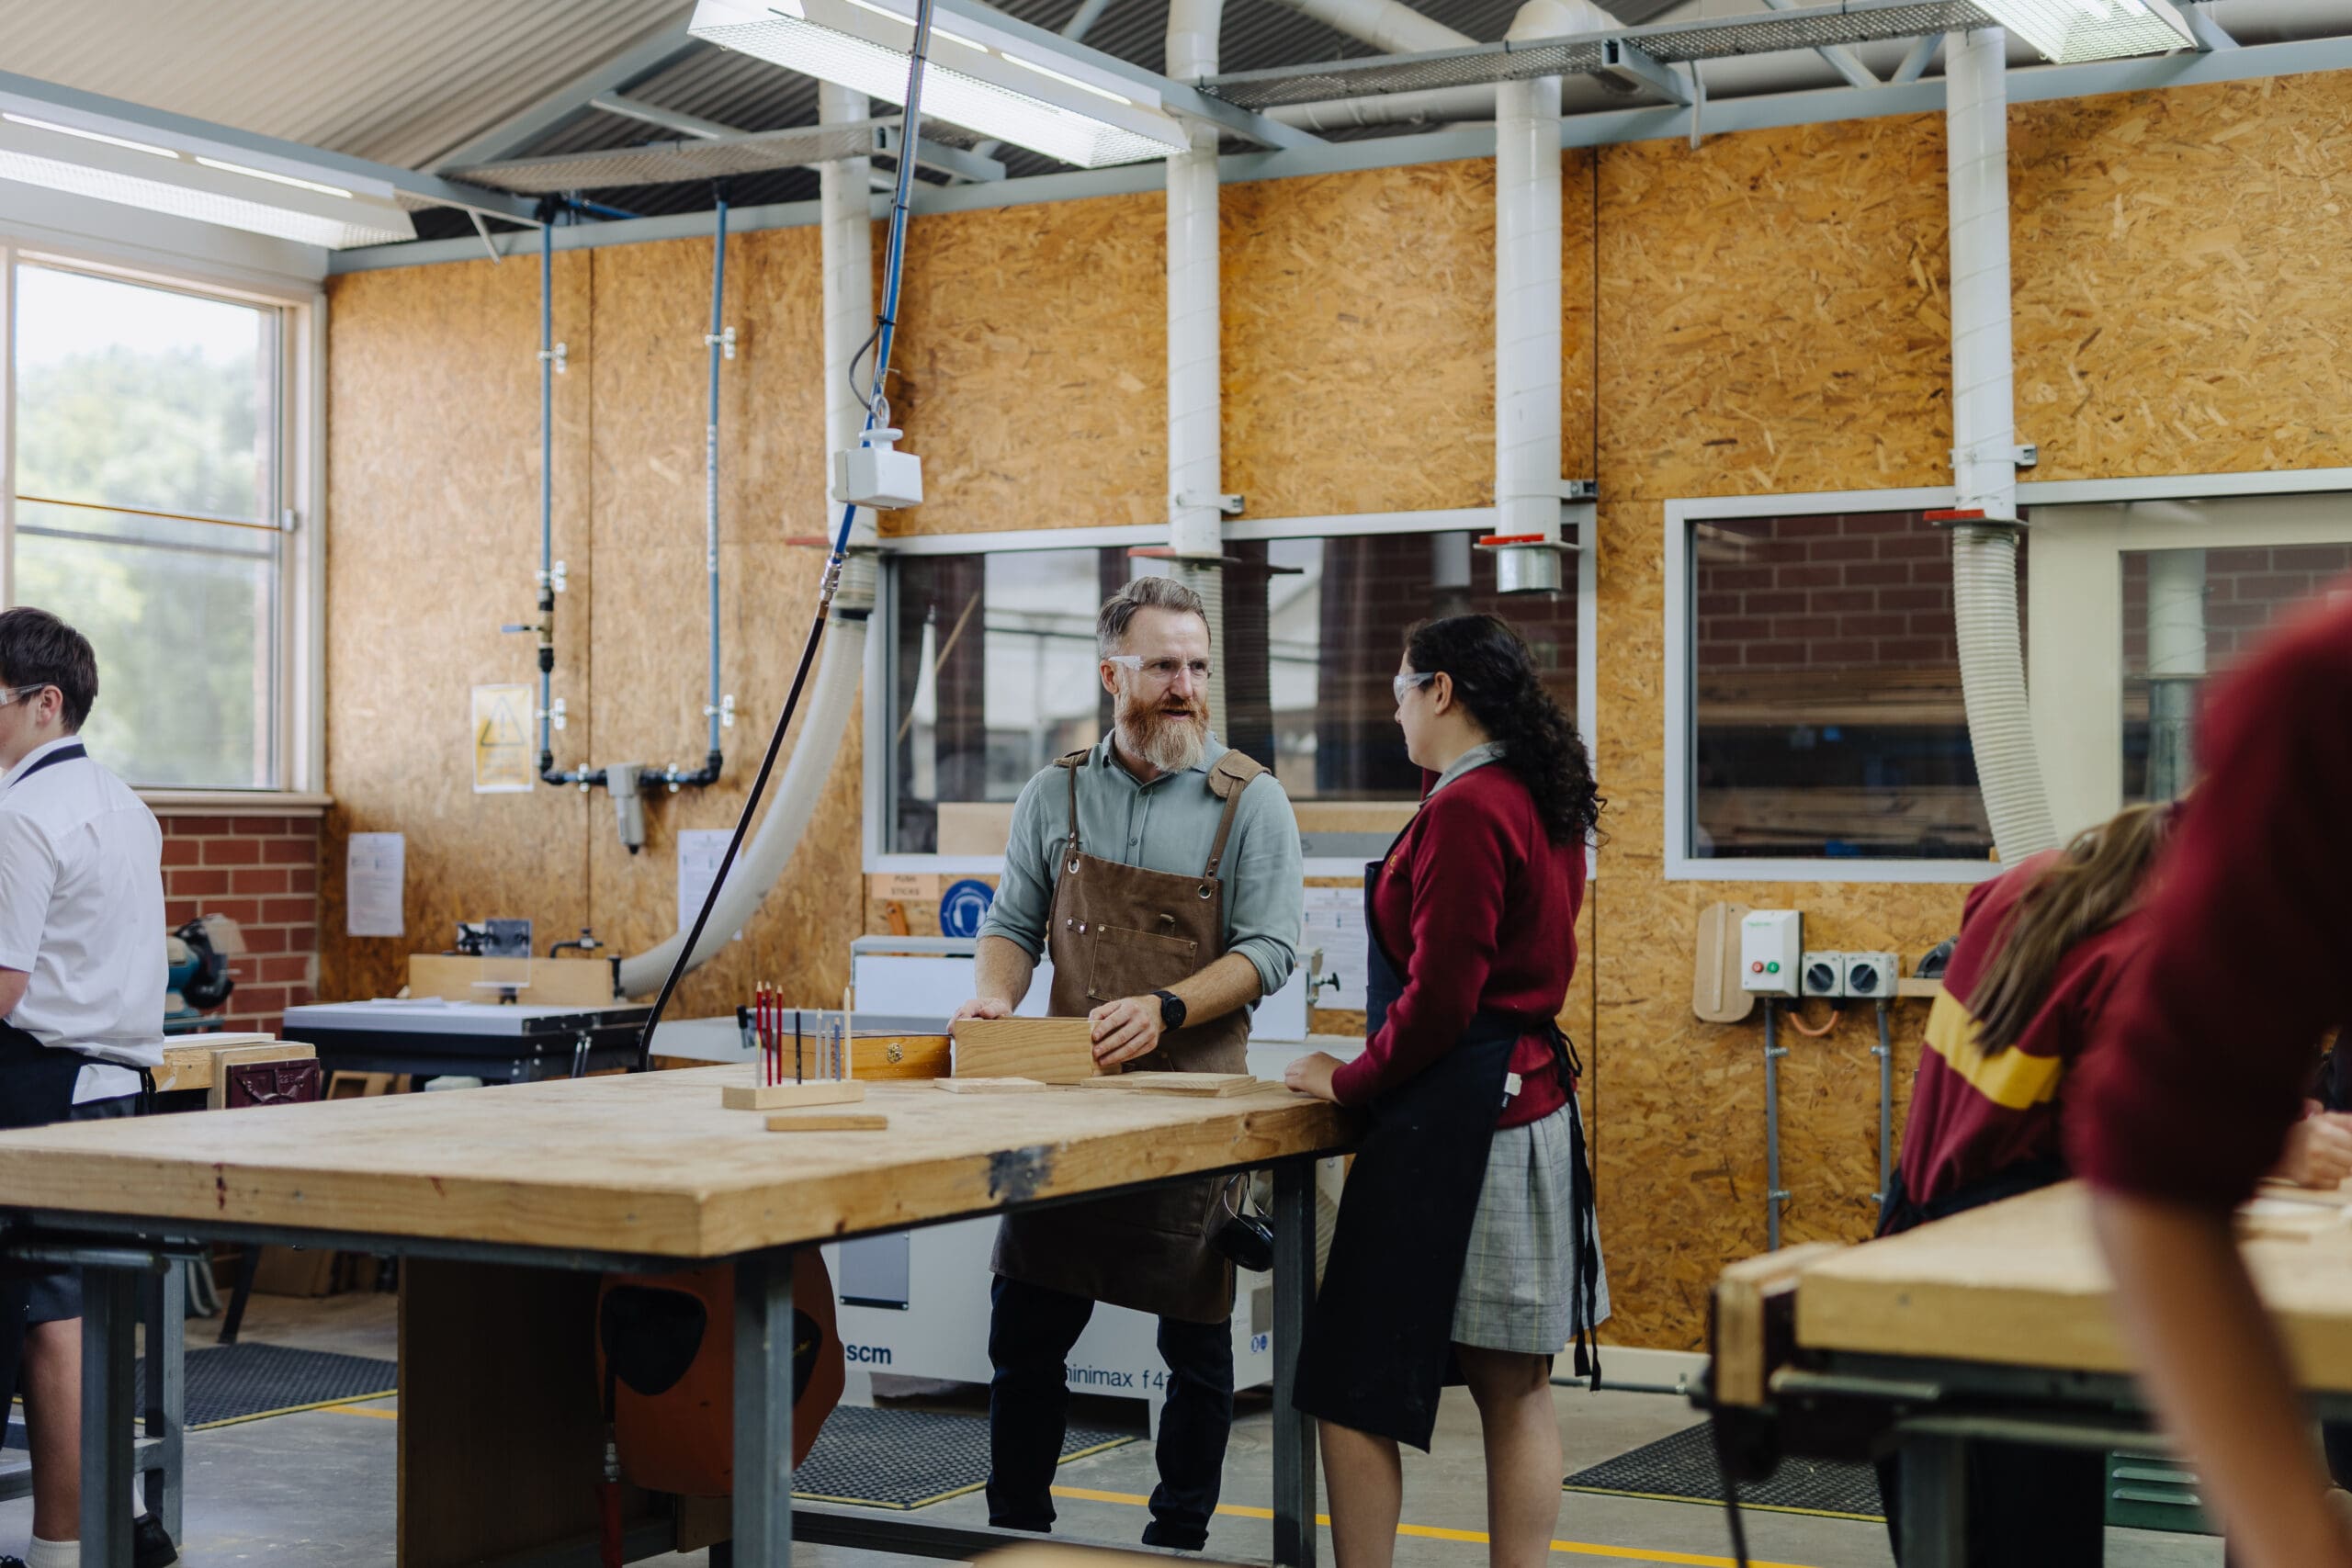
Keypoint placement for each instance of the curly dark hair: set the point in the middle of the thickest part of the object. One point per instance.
(1495, 676)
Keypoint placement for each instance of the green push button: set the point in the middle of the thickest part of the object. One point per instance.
(1772, 969)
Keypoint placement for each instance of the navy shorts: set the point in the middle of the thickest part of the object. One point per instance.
(55, 1294)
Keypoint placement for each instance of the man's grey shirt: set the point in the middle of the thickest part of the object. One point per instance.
(1166, 825)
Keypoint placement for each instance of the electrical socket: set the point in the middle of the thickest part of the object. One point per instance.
(1872, 973)
(1822, 974)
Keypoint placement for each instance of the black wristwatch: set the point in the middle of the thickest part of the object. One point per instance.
(1171, 1009)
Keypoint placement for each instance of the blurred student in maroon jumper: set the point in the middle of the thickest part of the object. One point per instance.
(2197, 1070)
(2042, 950)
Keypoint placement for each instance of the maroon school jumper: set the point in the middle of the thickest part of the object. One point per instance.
(2200, 1068)
(1477, 909)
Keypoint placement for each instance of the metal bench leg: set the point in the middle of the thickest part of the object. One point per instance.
(763, 1410)
(248, 1270)
(1294, 1431)
(109, 1328)
(164, 1398)
(1935, 1502)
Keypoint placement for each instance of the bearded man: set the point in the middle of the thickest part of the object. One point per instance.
(1159, 870)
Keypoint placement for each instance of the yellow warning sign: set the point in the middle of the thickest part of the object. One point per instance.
(502, 740)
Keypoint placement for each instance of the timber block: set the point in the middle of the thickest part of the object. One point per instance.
(775, 1096)
(1051, 1050)
(991, 1085)
(830, 1122)
(1206, 1084)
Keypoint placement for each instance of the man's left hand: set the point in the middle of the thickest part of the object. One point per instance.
(1126, 1029)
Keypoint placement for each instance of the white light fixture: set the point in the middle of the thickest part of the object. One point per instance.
(996, 86)
(79, 161)
(2068, 31)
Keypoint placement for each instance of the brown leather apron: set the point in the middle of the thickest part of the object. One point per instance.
(1120, 931)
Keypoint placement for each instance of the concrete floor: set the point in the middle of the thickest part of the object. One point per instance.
(317, 1487)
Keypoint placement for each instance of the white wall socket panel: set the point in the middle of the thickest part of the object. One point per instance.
(1771, 945)
(1872, 973)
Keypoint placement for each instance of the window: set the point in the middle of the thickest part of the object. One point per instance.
(992, 675)
(2188, 614)
(1826, 719)
(150, 496)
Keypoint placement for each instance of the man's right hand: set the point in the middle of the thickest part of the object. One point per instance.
(982, 1007)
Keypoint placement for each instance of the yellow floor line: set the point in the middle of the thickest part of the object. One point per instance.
(392, 1415)
(1430, 1532)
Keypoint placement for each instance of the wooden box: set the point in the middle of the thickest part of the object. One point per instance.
(1050, 1050)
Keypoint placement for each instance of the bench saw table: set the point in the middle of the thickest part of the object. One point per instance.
(1993, 1324)
(573, 1178)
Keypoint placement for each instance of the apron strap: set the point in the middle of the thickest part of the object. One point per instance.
(1074, 762)
(1228, 778)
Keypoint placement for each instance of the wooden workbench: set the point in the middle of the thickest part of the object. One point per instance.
(1997, 1324)
(528, 1193)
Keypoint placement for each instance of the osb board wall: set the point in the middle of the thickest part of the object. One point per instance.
(433, 475)
(2176, 278)
(1031, 373)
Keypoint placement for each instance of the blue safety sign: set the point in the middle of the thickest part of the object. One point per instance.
(963, 907)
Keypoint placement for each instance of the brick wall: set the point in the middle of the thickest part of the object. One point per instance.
(2246, 591)
(263, 873)
(1860, 590)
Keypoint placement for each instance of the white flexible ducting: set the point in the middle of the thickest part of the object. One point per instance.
(1196, 453)
(1985, 559)
(1429, 105)
(832, 698)
(847, 238)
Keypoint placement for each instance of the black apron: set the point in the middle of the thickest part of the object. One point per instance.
(1379, 1345)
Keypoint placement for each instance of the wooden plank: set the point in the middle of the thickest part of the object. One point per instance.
(187, 1065)
(774, 1096)
(1744, 1299)
(991, 1085)
(1207, 1085)
(1051, 1050)
(899, 1056)
(548, 981)
(643, 1164)
(828, 1122)
(2021, 1284)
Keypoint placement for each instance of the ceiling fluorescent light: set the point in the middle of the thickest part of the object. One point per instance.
(2069, 31)
(281, 179)
(1068, 111)
(58, 160)
(89, 135)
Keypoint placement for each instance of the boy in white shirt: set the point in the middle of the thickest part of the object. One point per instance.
(82, 970)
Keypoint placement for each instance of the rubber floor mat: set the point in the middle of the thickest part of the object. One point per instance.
(1682, 1469)
(911, 1458)
(228, 1383)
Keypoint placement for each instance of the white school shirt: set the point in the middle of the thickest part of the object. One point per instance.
(82, 914)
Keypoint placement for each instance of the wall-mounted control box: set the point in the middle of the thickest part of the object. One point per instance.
(1772, 949)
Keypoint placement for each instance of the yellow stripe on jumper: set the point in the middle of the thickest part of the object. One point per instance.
(2010, 1077)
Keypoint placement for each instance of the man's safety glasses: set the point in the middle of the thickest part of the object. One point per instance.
(14, 694)
(1163, 670)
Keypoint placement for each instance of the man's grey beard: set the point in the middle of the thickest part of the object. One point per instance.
(1167, 742)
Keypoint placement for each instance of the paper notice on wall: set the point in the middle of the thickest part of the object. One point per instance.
(375, 883)
(699, 851)
(1335, 926)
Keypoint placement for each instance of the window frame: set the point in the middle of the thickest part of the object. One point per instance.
(1576, 528)
(2076, 707)
(1683, 708)
(299, 485)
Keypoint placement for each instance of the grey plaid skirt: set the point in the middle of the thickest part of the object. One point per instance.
(1519, 1283)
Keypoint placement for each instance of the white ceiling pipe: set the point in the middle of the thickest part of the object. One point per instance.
(1431, 105)
(1527, 306)
(1384, 24)
(1984, 417)
(847, 240)
(1195, 454)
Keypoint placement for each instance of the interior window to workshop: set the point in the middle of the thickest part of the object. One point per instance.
(2189, 616)
(1826, 719)
(993, 675)
(148, 498)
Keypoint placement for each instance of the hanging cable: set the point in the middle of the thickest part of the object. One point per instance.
(886, 334)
